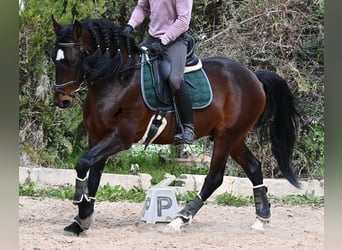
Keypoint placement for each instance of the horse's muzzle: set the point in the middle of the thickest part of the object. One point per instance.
(63, 102)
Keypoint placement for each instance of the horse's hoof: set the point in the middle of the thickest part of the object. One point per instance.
(258, 225)
(73, 228)
(174, 226)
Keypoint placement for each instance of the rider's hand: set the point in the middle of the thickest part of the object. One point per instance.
(157, 49)
(126, 32)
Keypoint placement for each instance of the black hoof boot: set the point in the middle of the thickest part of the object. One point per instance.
(74, 228)
(190, 210)
(262, 206)
(79, 225)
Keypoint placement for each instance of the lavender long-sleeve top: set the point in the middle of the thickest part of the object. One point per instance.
(168, 18)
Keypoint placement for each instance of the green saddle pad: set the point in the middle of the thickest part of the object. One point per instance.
(200, 91)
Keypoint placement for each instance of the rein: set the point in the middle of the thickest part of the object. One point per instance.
(138, 65)
(135, 66)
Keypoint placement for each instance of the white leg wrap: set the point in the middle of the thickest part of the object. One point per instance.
(84, 179)
(258, 186)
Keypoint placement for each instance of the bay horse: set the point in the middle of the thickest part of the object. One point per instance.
(92, 53)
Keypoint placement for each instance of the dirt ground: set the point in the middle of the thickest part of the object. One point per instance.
(118, 226)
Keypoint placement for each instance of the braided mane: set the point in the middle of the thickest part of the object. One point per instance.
(107, 58)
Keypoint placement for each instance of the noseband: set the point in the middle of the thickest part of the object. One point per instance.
(80, 86)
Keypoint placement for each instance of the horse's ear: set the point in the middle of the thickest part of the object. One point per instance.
(76, 30)
(55, 24)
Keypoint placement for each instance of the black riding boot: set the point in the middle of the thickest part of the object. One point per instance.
(184, 107)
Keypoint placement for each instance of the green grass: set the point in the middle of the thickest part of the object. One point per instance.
(150, 162)
(186, 197)
(306, 199)
(118, 193)
(64, 193)
(156, 169)
(227, 199)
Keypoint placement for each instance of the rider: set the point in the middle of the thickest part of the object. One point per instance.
(169, 22)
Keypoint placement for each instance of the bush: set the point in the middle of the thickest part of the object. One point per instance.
(286, 37)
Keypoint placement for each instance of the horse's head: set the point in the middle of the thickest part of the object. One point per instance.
(67, 57)
(87, 51)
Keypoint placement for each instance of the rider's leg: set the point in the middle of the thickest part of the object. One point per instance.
(176, 55)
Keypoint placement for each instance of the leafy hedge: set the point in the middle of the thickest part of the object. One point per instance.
(283, 35)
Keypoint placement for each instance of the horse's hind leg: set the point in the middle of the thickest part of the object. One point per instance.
(252, 167)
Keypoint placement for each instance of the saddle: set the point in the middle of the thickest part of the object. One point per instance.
(156, 91)
(161, 70)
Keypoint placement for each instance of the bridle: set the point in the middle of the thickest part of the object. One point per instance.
(80, 85)
(83, 85)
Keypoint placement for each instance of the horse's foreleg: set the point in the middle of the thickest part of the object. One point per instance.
(86, 186)
(252, 167)
(84, 197)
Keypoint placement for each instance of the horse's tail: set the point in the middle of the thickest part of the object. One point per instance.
(278, 121)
